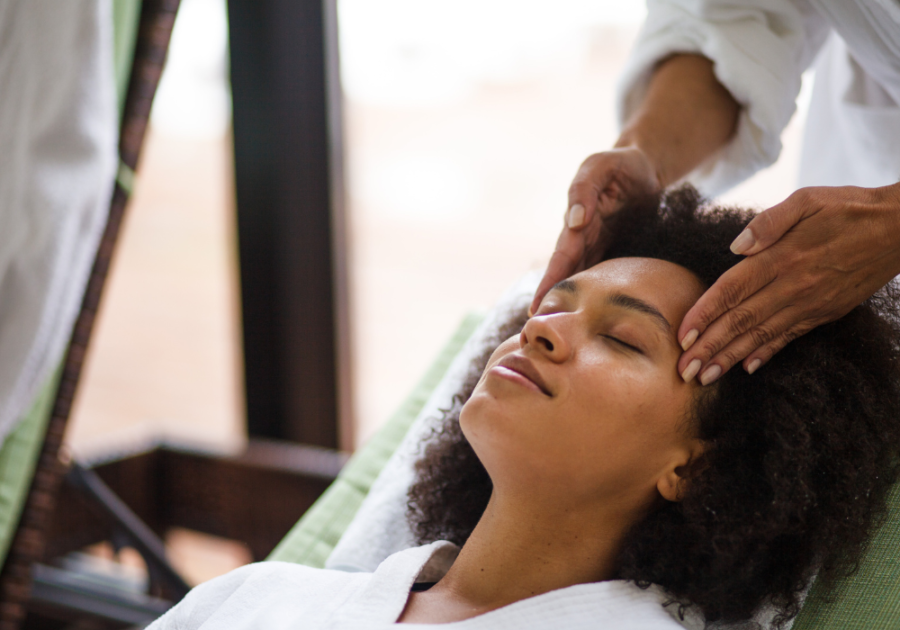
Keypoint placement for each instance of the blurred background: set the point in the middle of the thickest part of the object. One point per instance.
(463, 123)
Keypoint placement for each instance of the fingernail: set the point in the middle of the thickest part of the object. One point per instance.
(710, 375)
(689, 339)
(691, 370)
(754, 365)
(743, 242)
(530, 312)
(575, 216)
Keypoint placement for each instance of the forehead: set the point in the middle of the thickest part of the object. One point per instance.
(669, 287)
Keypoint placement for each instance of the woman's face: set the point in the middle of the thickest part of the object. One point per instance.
(586, 404)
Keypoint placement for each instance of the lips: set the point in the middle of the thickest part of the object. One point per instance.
(525, 367)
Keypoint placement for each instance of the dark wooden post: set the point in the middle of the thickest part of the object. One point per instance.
(289, 180)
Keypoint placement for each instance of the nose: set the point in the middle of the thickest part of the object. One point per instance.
(544, 333)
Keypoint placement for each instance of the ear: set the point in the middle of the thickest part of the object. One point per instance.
(672, 483)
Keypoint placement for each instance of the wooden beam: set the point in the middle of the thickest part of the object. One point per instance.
(254, 497)
(291, 233)
(247, 498)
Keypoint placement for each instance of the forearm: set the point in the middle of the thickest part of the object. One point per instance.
(685, 117)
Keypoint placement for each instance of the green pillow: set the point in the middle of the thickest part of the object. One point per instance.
(870, 598)
(312, 539)
(126, 16)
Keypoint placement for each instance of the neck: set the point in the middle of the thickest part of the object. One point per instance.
(515, 553)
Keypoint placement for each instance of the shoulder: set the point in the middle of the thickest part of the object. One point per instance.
(636, 607)
(602, 605)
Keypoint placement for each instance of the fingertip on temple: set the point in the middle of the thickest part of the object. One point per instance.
(688, 340)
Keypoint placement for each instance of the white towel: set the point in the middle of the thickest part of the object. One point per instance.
(287, 596)
(58, 133)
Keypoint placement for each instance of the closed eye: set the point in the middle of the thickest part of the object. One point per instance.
(626, 345)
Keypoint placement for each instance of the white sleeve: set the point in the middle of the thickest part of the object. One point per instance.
(759, 49)
(58, 160)
(204, 600)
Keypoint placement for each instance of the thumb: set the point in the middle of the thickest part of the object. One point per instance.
(563, 263)
(584, 192)
(770, 225)
(582, 205)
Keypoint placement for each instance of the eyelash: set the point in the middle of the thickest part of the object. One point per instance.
(622, 343)
(548, 311)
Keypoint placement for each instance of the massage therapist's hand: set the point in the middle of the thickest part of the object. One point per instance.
(809, 260)
(601, 186)
(685, 116)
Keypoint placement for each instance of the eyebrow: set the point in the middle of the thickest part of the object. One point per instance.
(634, 304)
(620, 299)
(566, 286)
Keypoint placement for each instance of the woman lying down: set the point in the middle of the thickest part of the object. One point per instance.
(588, 486)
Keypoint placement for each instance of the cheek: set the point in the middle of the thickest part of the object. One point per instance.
(623, 430)
(608, 433)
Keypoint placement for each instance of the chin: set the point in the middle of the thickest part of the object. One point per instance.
(500, 439)
(485, 413)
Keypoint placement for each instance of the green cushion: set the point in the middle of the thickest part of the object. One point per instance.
(126, 19)
(126, 16)
(870, 598)
(312, 539)
(18, 458)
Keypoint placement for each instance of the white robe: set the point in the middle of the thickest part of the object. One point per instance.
(58, 133)
(760, 48)
(283, 596)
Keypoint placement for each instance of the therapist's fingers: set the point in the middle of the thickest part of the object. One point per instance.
(773, 333)
(563, 263)
(743, 329)
(605, 180)
(770, 225)
(761, 356)
(583, 197)
(844, 247)
(592, 179)
(594, 189)
(722, 298)
(766, 229)
(567, 258)
(601, 186)
(841, 248)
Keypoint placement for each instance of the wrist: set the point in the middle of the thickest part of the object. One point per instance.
(887, 199)
(685, 116)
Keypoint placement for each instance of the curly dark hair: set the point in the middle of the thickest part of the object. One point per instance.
(799, 456)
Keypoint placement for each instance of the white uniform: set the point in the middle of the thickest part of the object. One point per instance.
(58, 133)
(760, 49)
(282, 596)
